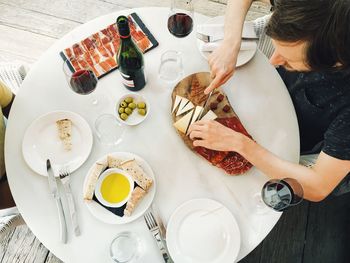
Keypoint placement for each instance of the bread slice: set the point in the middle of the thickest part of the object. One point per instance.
(135, 198)
(65, 133)
(113, 162)
(137, 173)
(92, 180)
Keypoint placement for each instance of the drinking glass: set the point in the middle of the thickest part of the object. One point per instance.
(171, 68)
(180, 21)
(83, 81)
(125, 247)
(282, 194)
(109, 130)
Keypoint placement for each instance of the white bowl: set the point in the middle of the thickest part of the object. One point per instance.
(134, 118)
(101, 179)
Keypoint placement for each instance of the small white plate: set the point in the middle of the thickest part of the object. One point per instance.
(203, 231)
(108, 217)
(244, 56)
(134, 118)
(41, 142)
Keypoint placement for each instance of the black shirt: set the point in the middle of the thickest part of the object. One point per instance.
(322, 104)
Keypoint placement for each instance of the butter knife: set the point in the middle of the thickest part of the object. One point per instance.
(56, 196)
(204, 105)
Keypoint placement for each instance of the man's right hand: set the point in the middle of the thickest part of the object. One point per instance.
(222, 63)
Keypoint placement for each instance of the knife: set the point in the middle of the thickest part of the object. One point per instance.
(204, 105)
(56, 196)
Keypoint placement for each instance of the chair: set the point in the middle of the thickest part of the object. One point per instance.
(12, 74)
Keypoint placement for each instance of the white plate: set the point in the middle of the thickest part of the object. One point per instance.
(41, 142)
(196, 235)
(134, 118)
(108, 217)
(244, 56)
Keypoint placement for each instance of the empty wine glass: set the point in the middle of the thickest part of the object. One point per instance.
(82, 81)
(170, 68)
(126, 247)
(278, 195)
(180, 21)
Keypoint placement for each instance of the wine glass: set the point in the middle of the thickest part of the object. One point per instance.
(180, 21)
(82, 81)
(278, 195)
(282, 194)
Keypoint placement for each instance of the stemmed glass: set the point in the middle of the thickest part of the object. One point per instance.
(180, 21)
(279, 195)
(83, 81)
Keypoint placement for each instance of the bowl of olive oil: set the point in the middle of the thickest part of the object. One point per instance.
(114, 187)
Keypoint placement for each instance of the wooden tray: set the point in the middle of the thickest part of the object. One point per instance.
(192, 88)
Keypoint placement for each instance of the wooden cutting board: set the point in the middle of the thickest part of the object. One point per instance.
(192, 87)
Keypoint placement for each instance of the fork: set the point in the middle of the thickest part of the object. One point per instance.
(65, 179)
(154, 229)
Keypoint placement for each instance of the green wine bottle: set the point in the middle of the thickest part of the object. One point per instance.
(130, 58)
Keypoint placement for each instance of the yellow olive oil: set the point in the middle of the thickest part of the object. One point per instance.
(115, 188)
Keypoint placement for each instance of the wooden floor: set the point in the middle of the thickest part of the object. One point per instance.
(307, 233)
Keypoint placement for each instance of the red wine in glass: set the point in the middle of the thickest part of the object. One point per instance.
(180, 24)
(83, 81)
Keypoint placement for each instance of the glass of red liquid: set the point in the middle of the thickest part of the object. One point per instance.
(82, 81)
(180, 21)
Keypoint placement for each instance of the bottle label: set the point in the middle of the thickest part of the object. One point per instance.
(127, 80)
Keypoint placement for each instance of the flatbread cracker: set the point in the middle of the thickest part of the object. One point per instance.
(137, 174)
(65, 133)
(92, 180)
(113, 162)
(135, 198)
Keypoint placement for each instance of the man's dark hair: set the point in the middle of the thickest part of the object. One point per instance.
(324, 24)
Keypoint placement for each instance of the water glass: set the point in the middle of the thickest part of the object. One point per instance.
(171, 68)
(109, 130)
(125, 247)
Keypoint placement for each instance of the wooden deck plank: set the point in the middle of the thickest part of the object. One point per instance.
(79, 11)
(35, 22)
(22, 43)
(51, 258)
(328, 233)
(285, 243)
(24, 247)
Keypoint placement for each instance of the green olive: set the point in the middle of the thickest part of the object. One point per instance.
(142, 112)
(128, 100)
(128, 111)
(132, 105)
(141, 105)
(121, 110)
(124, 116)
(123, 104)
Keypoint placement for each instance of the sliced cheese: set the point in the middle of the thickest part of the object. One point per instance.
(209, 116)
(197, 110)
(177, 102)
(189, 106)
(183, 103)
(184, 122)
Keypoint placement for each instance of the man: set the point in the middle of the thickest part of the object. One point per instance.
(311, 39)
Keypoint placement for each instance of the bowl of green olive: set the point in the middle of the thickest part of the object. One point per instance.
(132, 109)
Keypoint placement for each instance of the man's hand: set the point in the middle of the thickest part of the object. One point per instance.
(215, 136)
(222, 63)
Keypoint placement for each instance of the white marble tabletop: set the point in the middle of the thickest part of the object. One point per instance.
(256, 93)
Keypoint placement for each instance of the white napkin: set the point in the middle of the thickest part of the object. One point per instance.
(217, 30)
(208, 47)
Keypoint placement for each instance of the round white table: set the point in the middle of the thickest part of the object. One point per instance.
(256, 93)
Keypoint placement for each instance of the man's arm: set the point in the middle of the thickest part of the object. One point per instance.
(317, 182)
(223, 60)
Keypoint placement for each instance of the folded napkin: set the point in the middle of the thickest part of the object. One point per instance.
(216, 30)
(208, 47)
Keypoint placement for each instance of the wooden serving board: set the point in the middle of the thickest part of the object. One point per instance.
(192, 87)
